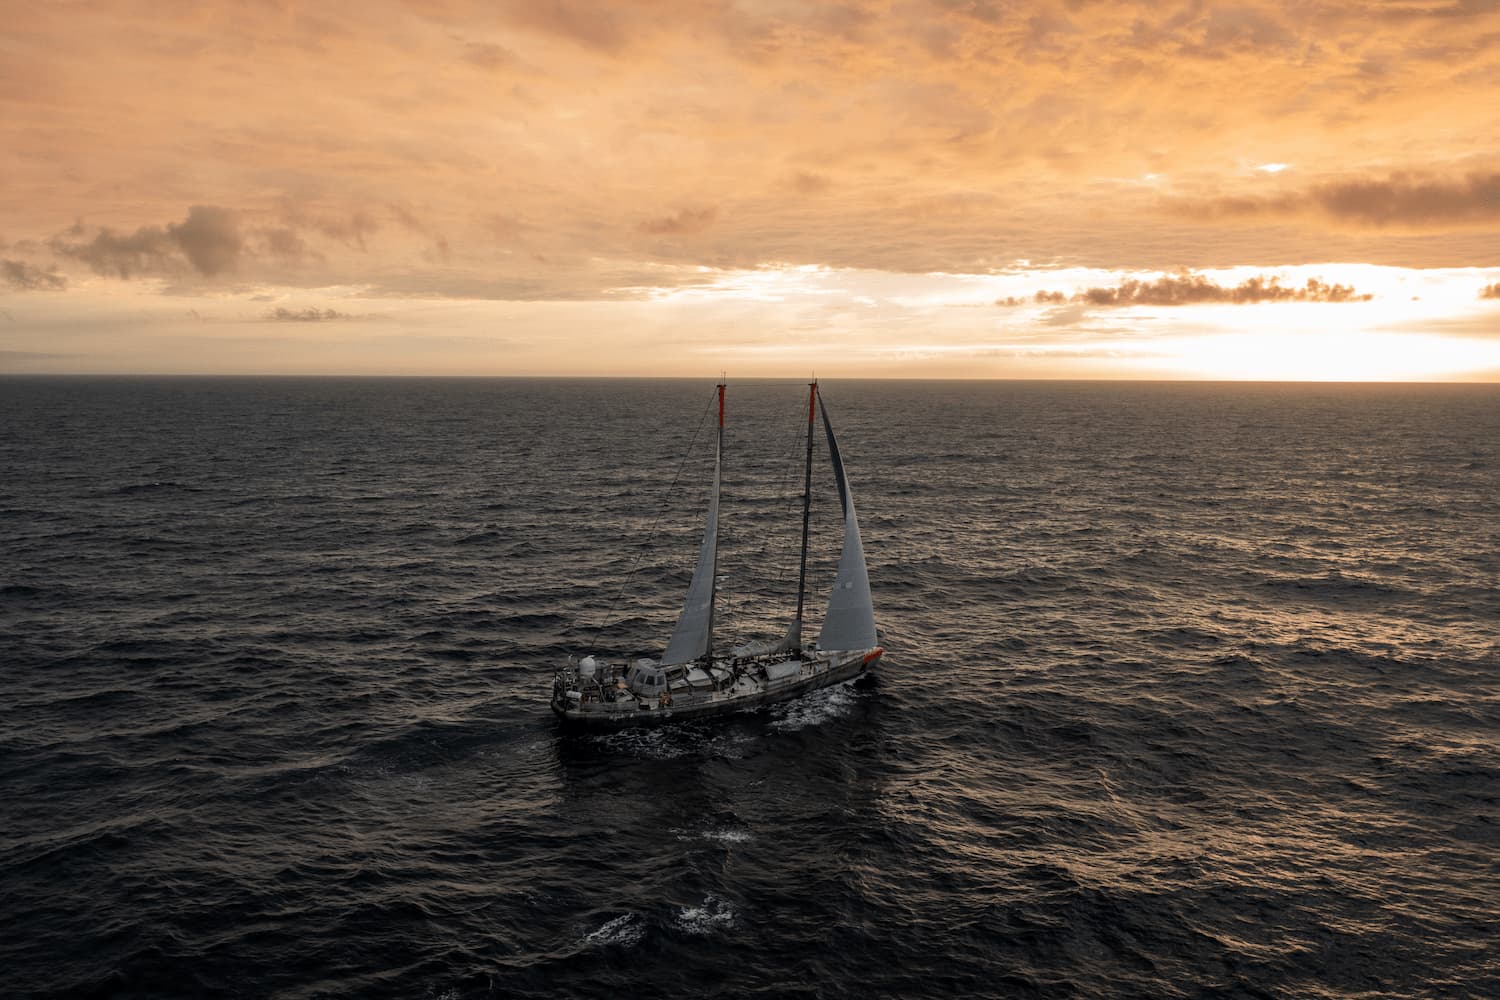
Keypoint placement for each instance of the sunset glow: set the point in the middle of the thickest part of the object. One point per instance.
(930, 189)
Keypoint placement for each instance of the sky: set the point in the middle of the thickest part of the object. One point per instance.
(910, 188)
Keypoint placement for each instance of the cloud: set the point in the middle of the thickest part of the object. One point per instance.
(804, 182)
(21, 275)
(689, 220)
(281, 314)
(1043, 298)
(1194, 289)
(488, 55)
(1399, 200)
(210, 238)
(407, 218)
(350, 230)
(584, 23)
(208, 241)
(148, 250)
(285, 243)
(1190, 289)
(1490, 291)
(1065, 316)
(536, 149)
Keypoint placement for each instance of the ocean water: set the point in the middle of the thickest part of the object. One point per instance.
(1191, 690)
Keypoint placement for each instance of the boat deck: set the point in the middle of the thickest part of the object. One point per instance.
(728, 684)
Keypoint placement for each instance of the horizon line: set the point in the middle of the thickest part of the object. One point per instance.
(800, 380)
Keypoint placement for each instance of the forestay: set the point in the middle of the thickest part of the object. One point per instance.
(695, 626)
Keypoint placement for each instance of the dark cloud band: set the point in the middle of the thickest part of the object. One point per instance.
(1196, 289)
(1399, 200)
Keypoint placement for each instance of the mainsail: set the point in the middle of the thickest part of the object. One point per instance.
(850, 622)
(695, 626)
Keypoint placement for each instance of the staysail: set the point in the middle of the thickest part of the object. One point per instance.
(850, 622)
(695, 626)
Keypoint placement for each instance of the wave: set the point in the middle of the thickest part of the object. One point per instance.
(154, 488)
(714, 915)
(1162, 696)
(624, 931)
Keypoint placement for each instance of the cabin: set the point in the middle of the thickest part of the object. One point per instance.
(646, 678)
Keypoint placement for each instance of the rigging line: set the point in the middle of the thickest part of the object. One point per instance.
(773, 548)
(791, 466)
(771, 543)
(651, 534)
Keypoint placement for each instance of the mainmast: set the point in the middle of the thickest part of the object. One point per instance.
(794, 635)
(713, 594)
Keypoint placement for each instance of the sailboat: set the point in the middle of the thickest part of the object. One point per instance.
(695, 680)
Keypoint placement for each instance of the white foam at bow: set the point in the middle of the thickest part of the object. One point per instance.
(816, 708)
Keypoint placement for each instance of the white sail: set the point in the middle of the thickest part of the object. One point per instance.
(850, 622)
(695, 626)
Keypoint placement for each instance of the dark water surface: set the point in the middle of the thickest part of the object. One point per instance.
(1191, 691)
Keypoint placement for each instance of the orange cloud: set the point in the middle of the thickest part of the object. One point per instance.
(487, 55)
(688, 220)
(590, 25)
(557, 150)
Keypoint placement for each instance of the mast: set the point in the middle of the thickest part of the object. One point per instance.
(713, 580)
(794, 635)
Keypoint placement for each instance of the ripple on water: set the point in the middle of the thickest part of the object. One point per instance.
(1190, 692)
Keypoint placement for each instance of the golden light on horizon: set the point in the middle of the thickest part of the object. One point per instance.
(1326, 356)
